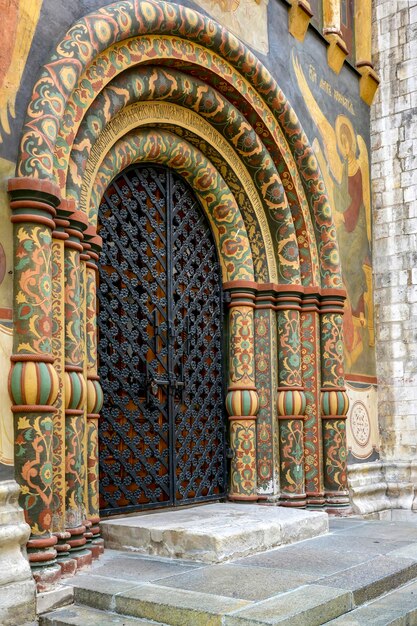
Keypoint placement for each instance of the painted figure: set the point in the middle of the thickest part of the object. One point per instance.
(247, 19)
(343, 158)
(20, 19)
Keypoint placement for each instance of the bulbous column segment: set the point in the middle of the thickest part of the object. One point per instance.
(334, 402)
(33, 381)
(291, 400)
(94, 392)
(75, 390)
(242, 402)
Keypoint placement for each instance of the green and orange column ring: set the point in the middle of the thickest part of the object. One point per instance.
(33, 380)
(291, 401)
(94, 392)
(242, 401)
(75, 390)
(334, 402)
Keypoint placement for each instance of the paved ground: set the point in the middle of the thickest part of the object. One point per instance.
(321, 579)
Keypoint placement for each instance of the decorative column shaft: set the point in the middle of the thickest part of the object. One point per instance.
(94, 395)
(291, 400)
(33, 381)
(242, 399)
(334, 403)
(266, 363)
(58, 340)
(75, 392)
(311, 374)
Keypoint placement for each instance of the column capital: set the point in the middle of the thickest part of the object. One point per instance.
(33, 200)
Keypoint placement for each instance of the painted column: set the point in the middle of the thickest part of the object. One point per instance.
(242, 399)
(33, 380)
(84, 257)
(311, 374)
(266, 383)
(291, 400)
(94, 394)
(75, 392)
(334, 402)
(58, 341)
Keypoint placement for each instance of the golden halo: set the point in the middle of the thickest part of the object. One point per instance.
(344, 127)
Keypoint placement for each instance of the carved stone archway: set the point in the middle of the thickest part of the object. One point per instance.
(285, 332)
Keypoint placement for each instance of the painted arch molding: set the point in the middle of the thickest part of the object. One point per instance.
(153, 81)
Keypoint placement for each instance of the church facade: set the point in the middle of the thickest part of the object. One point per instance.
(186, 270)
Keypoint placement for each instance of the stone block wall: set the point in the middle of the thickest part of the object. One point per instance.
(394, 175)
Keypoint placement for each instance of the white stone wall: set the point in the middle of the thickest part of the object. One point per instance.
(394, 175)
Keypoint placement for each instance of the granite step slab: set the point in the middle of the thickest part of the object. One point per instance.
(213, 533)
(397, 608)
(76, 615)
(311, 605)
(373, 578)
(307, 605)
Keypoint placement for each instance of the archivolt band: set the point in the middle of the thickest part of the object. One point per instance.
(147, 82)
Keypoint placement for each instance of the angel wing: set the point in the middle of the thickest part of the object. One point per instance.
(363, 162)
(328, 180)
(327, 132)
(14, 50)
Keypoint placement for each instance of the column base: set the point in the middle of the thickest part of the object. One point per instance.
(88, 533)
(338, 503)
(46, 577)
(295, 501)
(315, 500)
(62, 547)
(41, 551)
(83, 558)
(96, 547)
(68, 566)
(243, 499)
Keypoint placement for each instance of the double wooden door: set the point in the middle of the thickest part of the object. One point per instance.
(162, 429)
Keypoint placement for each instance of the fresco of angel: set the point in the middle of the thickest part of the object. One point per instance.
(343, 158)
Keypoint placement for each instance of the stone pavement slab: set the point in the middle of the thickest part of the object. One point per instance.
(373, 578)
(84, 616)
(316, 561)
(143, 570)
(176, 607)
(397, 608)
(306, 606)
(387, 531)
(236, 581)
(213, 532)
(99, 592)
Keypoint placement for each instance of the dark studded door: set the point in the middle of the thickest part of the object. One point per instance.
(162, 430)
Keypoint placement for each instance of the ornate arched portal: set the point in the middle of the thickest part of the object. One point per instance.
(156, 82)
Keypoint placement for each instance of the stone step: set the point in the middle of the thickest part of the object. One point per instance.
(76, 615)
(213, 533)
(397, 608)
(120, 604)
(319, 581)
